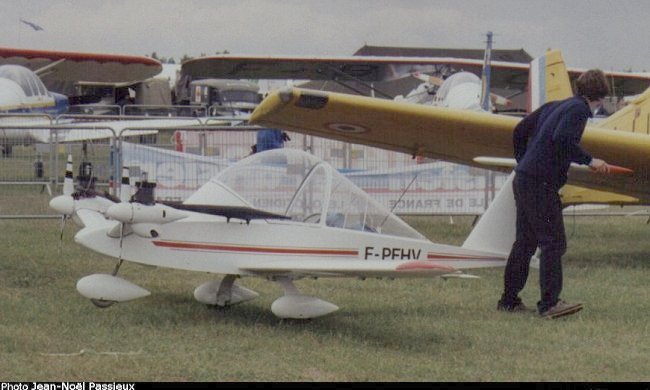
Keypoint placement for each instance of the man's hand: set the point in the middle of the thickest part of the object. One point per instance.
(599, 166)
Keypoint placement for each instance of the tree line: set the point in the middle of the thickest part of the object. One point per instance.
(171, 60)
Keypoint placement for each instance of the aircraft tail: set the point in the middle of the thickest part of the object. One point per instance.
(495, 230)
(548, 80)
(634, 117)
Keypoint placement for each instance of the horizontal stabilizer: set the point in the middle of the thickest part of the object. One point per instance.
(358, 268)
(634, 117)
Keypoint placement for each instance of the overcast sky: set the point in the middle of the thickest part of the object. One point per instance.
(611, 35)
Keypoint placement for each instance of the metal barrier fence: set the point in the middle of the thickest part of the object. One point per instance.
(138, 110)
(181, 158)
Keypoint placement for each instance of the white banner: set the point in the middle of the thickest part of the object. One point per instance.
(430, 188)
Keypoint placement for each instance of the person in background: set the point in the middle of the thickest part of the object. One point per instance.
(270, 139)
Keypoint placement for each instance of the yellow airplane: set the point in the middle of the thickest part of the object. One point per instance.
(461, 136)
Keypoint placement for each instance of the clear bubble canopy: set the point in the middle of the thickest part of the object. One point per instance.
(25, 78)
(299, 185)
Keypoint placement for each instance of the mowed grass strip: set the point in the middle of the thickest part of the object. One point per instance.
(385, 330)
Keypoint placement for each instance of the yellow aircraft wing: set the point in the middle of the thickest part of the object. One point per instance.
(443, 133)
(634, 117)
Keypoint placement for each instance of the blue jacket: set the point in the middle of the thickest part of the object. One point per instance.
(547, 141)
(269, 139)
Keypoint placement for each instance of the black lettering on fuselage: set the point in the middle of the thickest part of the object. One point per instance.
(394, 253)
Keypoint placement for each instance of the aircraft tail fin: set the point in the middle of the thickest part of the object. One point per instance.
(634, 117)
(548, 80)
(495, 230)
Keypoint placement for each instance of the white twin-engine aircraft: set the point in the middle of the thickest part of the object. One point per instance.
(282, 215)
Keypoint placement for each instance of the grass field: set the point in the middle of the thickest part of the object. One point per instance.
(399, 330)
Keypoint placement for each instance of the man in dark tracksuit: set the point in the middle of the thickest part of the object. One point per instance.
(546, 142)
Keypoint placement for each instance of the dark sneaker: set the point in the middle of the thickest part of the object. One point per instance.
(562, 309)
(517, 306)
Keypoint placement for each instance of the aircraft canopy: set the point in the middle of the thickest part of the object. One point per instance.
(306, 189)
(26, 79)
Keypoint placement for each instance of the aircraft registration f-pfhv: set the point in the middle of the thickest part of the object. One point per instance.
(282, 215)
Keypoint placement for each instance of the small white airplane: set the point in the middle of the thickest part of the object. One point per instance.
(282, 215)
(21, 90)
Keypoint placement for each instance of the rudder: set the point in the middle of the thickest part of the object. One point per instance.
(496, 229)
(548, 80)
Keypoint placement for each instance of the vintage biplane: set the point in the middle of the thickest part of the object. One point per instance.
(388, 76)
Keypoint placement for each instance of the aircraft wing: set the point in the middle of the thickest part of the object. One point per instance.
(238, 212)
(60, 71)
(81, 131)
(443, 133)
(509, 76)
(358, 268)
(125, 127)
(363, 68)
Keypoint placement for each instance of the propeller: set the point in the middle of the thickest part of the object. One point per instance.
(64, 204)
(125, 187)
(125, 196)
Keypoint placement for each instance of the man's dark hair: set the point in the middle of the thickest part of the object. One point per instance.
(592, 84)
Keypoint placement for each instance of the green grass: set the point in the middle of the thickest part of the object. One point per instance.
(399, 330)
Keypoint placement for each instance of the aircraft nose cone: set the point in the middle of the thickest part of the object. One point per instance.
(122, 212)
(64, 204)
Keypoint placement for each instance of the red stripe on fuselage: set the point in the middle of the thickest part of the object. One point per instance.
(453, 257)
(255, 249)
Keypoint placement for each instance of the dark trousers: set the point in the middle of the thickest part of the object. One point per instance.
(539, 223)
